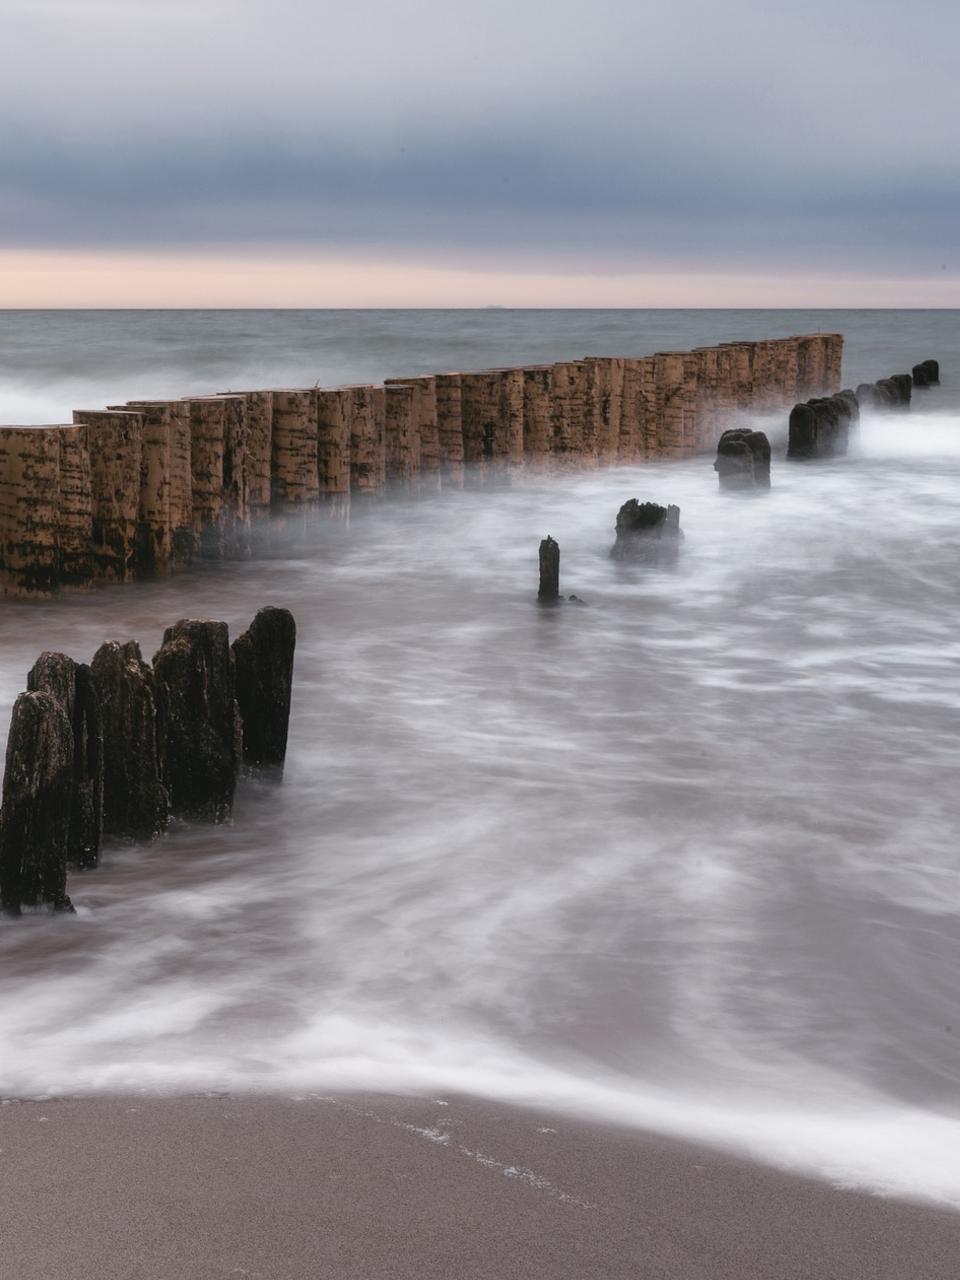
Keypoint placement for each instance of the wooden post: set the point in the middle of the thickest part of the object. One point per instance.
(73, 686)
(167, 425)
(35, 816)
(199, 739)
(402, 438)
(333, 451)
(29, 510)
(450, 429)
(263, 664)
(549, 591)
(134, 799)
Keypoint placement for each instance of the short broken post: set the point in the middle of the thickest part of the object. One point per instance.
(549, 592)
(743, 460)
(263, 667)
(647, 533)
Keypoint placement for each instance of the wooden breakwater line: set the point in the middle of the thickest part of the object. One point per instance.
(141, 489)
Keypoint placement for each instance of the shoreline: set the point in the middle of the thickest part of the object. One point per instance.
(371, 1186)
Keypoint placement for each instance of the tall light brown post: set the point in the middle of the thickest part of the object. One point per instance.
(75, 510)
(367, 422)
(114, 444)
(208, 426)
(333, 450)
(171, 419)
(154, 548)
(427, 428)
(29, 510)
(479, 408)
(402, 438)
(604, 381)
(450, 429)
(630, 443)
(295, 485)
(668, 367)
(257, 449)
(537, 416)
(567, 411)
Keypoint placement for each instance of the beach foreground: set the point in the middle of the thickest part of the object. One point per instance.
(370, 1187)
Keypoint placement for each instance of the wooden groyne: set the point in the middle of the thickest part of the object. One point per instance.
(138, 490)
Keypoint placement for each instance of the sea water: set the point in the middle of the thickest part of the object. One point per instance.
(684, 857)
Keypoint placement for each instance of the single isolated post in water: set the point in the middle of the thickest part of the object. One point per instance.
(200, 725)
(35, 816)
(134, 800)
(73, 686)
(743, 460)
(647, 533)
(263, 667)
(549, 571)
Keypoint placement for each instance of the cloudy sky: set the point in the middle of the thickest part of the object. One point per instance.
(621, 152)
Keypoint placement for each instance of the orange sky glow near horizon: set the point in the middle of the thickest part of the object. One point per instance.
(81, 279)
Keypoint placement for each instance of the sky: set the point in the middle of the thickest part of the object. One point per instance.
(617, 153)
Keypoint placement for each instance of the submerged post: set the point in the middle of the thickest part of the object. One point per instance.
(743, 460)
(647, 533)
(549, 571)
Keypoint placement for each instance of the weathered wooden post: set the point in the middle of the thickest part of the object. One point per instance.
(537, 420)
(200, 729)
(75, 511)
(932, 370)
(263, 665)
(295, 487)
(743, 460)
(402, 438)
(135, 802)
(549, 591)
(647, 533)
(425, 427)
(38, 784)
(114, 441)
(333, 450)
(29, 517)
(170, 420)
(450, 429)
(73, 686)
(367, 423)
(803, 438)
(904, 385)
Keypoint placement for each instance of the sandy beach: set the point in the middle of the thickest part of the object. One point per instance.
(378, 1187)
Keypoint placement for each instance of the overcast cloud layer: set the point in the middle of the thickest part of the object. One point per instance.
(613, 136)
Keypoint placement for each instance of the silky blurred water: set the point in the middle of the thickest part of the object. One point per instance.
(685, 857)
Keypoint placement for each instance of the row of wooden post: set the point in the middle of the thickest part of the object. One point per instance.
(138, 489)
(119, 747)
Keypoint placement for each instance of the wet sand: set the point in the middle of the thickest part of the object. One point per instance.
(378, 1187)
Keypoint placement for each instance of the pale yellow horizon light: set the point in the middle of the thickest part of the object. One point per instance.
(103, 278)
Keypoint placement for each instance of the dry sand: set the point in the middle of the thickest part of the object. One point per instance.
(370, 1188)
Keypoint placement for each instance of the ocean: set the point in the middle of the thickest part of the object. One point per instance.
(685, 858)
